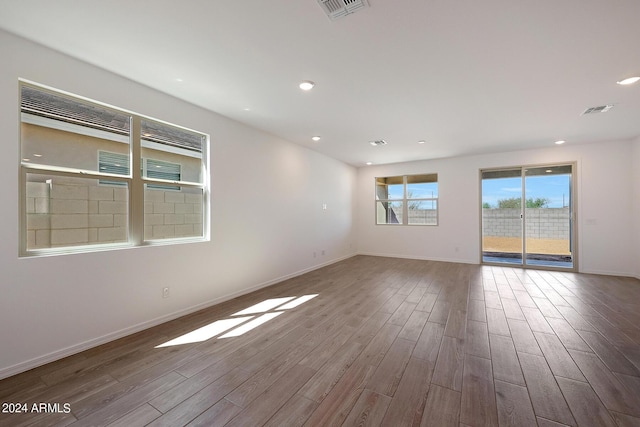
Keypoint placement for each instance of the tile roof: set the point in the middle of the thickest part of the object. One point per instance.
(61, 108)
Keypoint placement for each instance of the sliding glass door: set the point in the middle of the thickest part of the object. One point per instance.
(548, 213)
(527, 216)
(502, 229)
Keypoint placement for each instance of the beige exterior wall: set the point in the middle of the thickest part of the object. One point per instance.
(68, 149)
(65, 149)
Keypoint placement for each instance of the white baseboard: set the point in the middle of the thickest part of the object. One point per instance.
(421, 258)
(77, 348)
(611, 273)
(463, 261)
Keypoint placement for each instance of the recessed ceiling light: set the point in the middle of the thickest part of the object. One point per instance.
(629, 81)
(315, 138)
(369, 163)
(422, 141)
(179, 80)
(37, 155)
(548, 171)
(306, 85)
(560, 142)
(246, 109)
(26, 160)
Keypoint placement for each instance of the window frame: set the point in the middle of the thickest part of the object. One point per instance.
(136, 182)
(405, 200)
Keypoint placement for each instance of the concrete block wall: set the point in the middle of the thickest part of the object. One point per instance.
(73, 212)
(548, 223)
(38, 219)
(172, 214)
(423, 216)
(542, 223)
(501, 222)
(416, 216)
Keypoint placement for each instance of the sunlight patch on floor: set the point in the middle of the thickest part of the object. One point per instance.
(271, 308)
(298, 301)
(252, 324)
(264, 306)
(206, 332)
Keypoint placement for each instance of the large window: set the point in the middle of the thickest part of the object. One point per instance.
(407, 199)
(79, 190)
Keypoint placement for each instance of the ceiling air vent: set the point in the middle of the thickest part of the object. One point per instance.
(596, 110)
(338, 8)
(378, 142)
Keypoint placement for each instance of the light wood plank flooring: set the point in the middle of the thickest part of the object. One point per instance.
(388, 342)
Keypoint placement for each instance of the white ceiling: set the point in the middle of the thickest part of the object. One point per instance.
(467, 76)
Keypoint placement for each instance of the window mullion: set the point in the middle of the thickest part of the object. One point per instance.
(136, 195)
(405, 202)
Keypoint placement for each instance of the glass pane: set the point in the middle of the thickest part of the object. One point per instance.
(427, 190)
(66, 212)
(113, 163)
(171, 152)
(389, 212)
(422, 186)
(172, 214)
(70, 133)
(391, 188)
(548, 216)
(423, 212)
(157, 169)
(501, 216)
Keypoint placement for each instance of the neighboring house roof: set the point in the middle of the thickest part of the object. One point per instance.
(47, 104)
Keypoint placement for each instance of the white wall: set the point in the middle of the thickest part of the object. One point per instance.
(604, 179)
(635, 160)
(267, 220)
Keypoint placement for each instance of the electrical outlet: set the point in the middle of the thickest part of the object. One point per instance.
(165, 292)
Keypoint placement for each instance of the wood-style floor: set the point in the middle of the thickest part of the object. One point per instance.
(386, 342)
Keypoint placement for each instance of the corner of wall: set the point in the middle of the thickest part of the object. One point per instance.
(249, 247)
(635, 159)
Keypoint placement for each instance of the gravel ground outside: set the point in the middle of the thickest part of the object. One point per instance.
(514, 245)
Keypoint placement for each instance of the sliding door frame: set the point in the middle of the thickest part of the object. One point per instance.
(573, 228)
